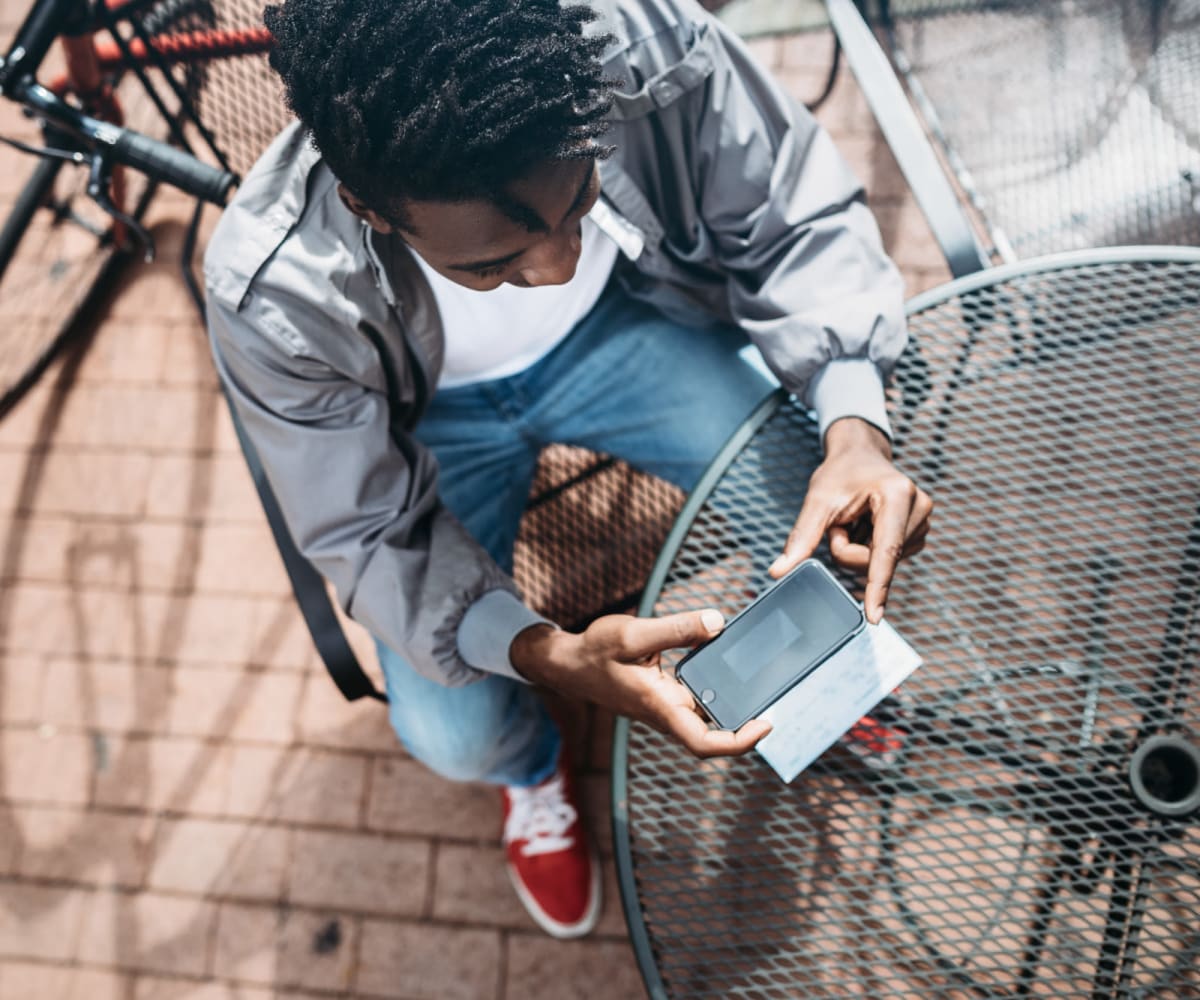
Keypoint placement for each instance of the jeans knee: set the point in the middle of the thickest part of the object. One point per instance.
(455, 755)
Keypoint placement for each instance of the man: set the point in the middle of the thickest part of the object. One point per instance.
(501, 223)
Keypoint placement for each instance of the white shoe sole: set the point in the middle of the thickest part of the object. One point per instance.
(583, 926)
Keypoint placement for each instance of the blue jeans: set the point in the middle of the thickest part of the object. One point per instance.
(626, 382)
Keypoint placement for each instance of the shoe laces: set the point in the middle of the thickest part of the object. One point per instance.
(540, 816)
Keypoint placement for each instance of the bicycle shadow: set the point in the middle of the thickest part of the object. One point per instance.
(73, 855)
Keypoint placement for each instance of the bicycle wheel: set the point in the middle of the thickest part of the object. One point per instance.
(57, 250)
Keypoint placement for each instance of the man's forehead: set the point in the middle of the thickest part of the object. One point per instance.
(477, 230)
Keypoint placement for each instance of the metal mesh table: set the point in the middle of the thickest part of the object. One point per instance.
(1030, 832)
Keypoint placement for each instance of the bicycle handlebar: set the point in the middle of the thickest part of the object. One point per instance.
(172, 165)
(155, 159)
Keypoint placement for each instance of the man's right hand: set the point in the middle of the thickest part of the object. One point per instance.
(614, 663)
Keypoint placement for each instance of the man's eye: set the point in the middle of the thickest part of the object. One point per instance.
(490, 272)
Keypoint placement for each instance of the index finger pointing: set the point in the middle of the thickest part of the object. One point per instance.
(887, 545)
(804, 537)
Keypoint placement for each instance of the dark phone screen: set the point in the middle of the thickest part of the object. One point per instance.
(775, 642)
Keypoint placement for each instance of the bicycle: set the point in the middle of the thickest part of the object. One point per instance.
(143, 86)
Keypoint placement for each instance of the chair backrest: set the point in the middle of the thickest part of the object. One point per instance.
(1069, 123)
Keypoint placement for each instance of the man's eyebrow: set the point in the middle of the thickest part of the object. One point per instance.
(527, 217)
(483, 265)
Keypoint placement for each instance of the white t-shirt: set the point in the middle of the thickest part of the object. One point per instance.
(491, 335)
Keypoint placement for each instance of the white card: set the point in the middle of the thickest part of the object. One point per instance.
(826, 704)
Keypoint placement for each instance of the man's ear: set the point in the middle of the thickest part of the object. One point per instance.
(371, 217)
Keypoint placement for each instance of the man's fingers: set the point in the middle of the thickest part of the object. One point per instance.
(890, 515)
(693, 732)
(805, 536)
(639, 638)
(918, 518)
(846, 552)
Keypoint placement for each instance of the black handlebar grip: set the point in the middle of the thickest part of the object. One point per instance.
(172, 165)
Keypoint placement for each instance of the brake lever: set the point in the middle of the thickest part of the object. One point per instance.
(99, 178)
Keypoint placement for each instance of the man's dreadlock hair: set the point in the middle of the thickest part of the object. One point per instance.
(440, 99)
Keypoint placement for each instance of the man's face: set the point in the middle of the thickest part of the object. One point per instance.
(534, 239)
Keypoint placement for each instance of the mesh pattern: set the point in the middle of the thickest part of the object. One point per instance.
(1077, 121)
(997, 849)
(590, 535)
(241, 99)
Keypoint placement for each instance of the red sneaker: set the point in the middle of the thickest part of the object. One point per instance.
(550, 860)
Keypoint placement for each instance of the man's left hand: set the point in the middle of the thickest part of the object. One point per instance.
(857, 479)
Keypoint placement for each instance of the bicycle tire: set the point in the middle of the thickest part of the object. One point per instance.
(56, 267)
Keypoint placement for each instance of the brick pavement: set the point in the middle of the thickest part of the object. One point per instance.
(188, 811)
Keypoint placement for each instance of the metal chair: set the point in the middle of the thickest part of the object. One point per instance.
(1056, 124)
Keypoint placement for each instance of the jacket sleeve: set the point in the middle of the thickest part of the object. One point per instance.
(362, 506)
(809, 280)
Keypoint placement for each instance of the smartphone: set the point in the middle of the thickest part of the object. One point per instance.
(776, 641)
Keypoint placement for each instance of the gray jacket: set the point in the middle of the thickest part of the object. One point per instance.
(729, 203)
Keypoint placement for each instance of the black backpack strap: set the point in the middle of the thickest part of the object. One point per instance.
(308, 585)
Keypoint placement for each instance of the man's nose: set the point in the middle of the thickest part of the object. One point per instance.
(552, 261)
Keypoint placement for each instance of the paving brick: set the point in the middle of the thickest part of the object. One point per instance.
(806, 48)
(612, 913)
(161, 988)
(32, 981)
(359, 872)
(22, 678)
(129, 354)
(471, 885)
(28, 423)
(279, 945)
(918, 280)
(327, 719)
(51, 618)
(187, 359)
(428, 962)
(240, 558)
(165, 774)
(40, 922)
(147, 932)
(204, 628)
(226, 442)
(217, 487)
(766, 50)
(90, 552)
(45, 766)
(150, 417)
(299, 785)
(152, 291)
(846, 112)
(873, 163)
(9, 840)
(15, 478)
(907, 237)
(540, 968)
(280, 638)
(254, 705)
(406, 797)
(103, 695)
(69, 480)
(208, 857)
(95, 848)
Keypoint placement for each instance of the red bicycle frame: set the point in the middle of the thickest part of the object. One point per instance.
(91, 60)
